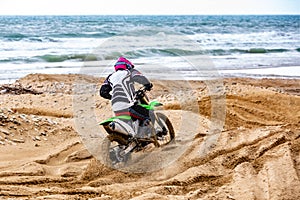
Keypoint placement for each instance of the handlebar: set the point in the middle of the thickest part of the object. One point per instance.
(140, 93)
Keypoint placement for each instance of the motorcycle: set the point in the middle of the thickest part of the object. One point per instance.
(117, 147)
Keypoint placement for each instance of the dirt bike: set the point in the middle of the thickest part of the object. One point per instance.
(117, 147)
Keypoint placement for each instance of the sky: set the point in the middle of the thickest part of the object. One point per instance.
(147, 7)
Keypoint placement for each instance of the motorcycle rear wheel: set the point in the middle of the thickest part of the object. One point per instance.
(111, 148)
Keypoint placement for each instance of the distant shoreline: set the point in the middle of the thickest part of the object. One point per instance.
(292, 72)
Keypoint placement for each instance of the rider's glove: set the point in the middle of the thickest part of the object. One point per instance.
(148, 86)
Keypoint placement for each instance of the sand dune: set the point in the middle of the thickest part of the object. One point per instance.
(255, 156)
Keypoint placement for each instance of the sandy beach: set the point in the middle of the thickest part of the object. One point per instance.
(256, 156)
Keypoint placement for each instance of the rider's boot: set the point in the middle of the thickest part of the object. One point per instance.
(144, 129)
(146, 122)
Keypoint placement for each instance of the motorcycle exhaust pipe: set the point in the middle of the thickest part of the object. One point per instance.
(121, 127)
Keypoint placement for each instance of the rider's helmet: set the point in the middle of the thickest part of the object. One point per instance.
(123, 63)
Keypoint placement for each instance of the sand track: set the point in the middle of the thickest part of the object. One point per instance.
(256, 156)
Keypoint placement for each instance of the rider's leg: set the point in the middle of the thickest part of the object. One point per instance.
(140, 113)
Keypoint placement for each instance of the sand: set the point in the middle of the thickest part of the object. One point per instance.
(256, 155)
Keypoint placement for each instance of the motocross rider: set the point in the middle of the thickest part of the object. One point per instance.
(119, 88)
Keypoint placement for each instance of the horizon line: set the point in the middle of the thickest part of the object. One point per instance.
(257, 14)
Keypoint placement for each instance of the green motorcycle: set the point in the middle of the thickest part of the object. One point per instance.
(118, 146)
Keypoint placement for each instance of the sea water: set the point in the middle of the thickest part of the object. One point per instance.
(248, 46)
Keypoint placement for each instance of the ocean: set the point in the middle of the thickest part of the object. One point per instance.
(161, 46)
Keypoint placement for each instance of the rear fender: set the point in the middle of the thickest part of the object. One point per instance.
(107, 121)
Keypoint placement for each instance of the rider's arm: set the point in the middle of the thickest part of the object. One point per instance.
(106, 89)
(141, 79)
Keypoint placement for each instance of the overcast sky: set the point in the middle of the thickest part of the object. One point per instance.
(149, 7)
